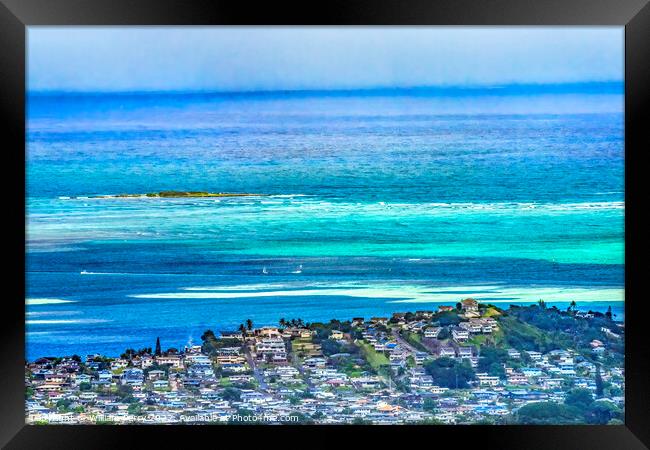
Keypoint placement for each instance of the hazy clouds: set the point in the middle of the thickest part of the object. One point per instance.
(267, 58)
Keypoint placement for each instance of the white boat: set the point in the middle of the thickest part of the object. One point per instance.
(298, 270)
(264, 271)
(83, 272)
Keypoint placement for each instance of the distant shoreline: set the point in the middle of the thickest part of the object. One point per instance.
(592, 87)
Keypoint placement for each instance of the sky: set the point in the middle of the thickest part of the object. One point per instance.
(95, 59)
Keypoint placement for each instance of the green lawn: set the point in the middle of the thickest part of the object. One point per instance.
(374, 358)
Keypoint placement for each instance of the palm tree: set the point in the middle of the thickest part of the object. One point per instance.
(573, 305)
(242, 328)
(249, 324)
(283, 322)
(158, 350)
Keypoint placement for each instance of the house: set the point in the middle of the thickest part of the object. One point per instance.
(464, 352)
(146, 361)
(271, 348)
(269, 332)
(471, 327)
(517, 378)
(336, 334)
(535, 356)
(469, 304)
(156, 374)
(424, 314)
(596, 343)
(105, 375)
(432, 333)
(531, 371)
(459, 334)
(119, 364)
(82, 378)
(514, 354)
(357, 321)
(234, 368)
(160, 384)
(487, 380)
(420, 357)
(379, 320)
(58, 378)
(197, 358)
(174, 361)
(444, 308)
(417, 326)
(237, 335)
(230, 359)
(314, 362)
(448, 352)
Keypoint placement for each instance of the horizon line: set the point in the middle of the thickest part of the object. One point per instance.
(594, 87)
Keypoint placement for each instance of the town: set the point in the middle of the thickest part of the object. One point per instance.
(469, 363)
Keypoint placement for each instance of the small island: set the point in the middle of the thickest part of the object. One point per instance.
(181, 194)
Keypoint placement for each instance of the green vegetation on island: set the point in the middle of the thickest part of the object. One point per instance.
(180, 194)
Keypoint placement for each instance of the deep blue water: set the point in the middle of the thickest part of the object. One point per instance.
(381, 201)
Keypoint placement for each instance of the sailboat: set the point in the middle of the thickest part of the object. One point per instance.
(264, 271)
(298, 270)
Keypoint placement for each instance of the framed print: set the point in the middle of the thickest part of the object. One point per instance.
(377, 218)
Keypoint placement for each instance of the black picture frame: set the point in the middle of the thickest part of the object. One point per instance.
(16, 15)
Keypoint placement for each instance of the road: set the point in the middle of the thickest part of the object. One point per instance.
(402, 342)
(257, 373)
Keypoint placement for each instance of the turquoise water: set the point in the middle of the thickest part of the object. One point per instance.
(377, 202)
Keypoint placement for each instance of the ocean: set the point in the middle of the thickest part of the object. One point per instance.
(373, 202)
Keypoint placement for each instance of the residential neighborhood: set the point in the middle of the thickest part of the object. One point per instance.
(472, 363)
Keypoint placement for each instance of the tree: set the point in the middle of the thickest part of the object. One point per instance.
(491, 360)
(330, 347)
(249, 324)
(429, 405)
(573, 306)
(580, 398)
(208, 335)
(600, 386)
(242, 328)
(444, 334)
(459, 306)
(450, 373)
(158, 351)
(231, 394)
(608, 314)
(124, 392)
(135, 409)
(283, 322)
(547, 413)
(602, 412)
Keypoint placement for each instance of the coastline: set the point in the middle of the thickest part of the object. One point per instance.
(510, 363)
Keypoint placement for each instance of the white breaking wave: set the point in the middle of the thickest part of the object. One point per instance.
(408, 294)
(63, 321)
(46, 301)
